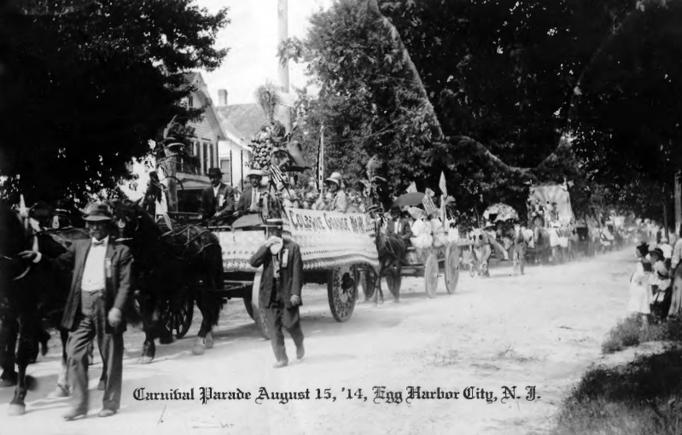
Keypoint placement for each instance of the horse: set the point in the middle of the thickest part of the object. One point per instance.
(36, 294)
(184, 262)
(22, 288)
(391, 251)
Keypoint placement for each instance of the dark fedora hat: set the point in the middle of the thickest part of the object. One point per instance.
(214, 172)
(41, 210)
(97, 212)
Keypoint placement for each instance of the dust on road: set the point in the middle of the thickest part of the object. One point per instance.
(533, 334)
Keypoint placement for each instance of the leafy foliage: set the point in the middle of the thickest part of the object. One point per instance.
(367, 103)
(85, 85)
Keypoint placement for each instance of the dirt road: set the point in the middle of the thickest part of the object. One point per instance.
(540, 330)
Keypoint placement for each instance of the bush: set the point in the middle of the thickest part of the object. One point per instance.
(626, 333)
(642, 397)
(631, 332)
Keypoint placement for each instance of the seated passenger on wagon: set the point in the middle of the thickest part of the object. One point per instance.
(399, 226)
(421, 229)
(251, 199)
(217, 201)
(335, 198)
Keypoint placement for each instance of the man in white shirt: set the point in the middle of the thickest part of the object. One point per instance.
(100, 288)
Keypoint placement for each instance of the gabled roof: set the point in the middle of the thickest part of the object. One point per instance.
(246, 119)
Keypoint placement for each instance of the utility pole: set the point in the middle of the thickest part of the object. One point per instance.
(283, 35)
(678, 201)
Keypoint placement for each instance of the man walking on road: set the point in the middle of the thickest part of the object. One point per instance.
(100, 288)
(280, 289)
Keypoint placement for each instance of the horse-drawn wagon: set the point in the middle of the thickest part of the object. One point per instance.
(429, 264)
(435, 250)
(335, 248)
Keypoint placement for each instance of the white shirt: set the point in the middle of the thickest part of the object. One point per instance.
(94, 270)
(254, 200)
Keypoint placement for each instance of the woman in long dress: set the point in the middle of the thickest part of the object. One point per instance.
(640, 294)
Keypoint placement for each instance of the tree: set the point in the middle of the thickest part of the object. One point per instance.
(367, 104)
(629, 114)
(497, 84)
(88, 83)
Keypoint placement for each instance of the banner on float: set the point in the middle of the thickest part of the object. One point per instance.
(327, 240)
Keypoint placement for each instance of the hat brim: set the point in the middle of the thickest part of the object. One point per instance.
(332, 180)
(96, 218)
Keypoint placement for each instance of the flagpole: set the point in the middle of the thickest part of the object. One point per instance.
(320, 160)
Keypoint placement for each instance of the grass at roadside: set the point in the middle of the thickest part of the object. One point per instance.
(631, 332)
(642, 397)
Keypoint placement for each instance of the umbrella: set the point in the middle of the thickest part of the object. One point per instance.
(503, 211)
(409, 199)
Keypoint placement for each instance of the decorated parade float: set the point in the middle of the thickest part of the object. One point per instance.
(335, 247)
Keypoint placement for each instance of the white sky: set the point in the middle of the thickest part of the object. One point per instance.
(252, 39)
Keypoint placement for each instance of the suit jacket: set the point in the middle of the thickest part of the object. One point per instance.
(405, 230)
(244, 204)
(118, 263)
(209, 202)
(290, 277)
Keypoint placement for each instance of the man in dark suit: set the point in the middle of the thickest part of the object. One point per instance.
(280, 289)
(399, 226)
(217, 201)
(250, 200)
(100, 288)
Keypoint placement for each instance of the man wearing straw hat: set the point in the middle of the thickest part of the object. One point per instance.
(280, 289)
(338, 201)
(250, 200)
(100, 289)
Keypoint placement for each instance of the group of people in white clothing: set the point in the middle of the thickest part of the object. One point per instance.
(653, 292)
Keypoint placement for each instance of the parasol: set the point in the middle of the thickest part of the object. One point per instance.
(409, 199)
(502, 211)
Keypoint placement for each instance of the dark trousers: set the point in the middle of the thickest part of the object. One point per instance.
(288, 318)
(92, 324)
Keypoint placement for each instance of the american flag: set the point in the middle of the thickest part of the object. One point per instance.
(276, 175)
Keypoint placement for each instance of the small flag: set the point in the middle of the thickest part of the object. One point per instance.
(412, 187)
(276, 176)
(428, 204)
(320, 161)
(442, 184)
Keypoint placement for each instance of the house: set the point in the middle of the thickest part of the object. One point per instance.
(210, 146)
(241, 122)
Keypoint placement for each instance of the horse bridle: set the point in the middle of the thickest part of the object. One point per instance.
(23, 274)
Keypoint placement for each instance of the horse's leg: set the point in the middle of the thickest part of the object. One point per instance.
(149, 312)
(8, 336)
(28, 345)
(62, 389)
(17, 406)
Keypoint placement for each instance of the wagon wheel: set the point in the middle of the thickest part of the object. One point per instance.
(177, 315)
(342, 290)
(394, 280)
(451, 268)
(249, 307)
(431, 274)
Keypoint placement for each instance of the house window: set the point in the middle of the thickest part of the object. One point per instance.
(226, 168)
(206, 157)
